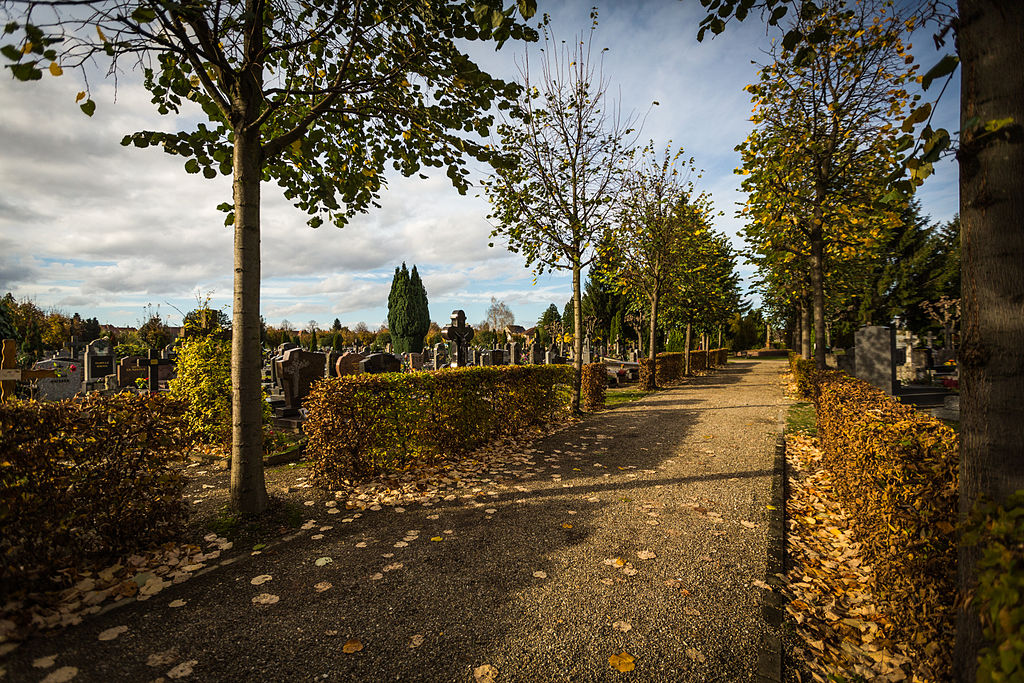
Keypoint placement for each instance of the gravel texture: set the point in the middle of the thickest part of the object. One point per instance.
(674, 487)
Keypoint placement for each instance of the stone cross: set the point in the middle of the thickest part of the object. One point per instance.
(461, 334)
(10, 373)
(154, 362)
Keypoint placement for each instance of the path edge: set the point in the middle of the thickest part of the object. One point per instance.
(770, 657)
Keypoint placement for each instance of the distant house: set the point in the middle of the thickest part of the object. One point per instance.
(515, 330)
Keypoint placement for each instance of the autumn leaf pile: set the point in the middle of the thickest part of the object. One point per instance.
(843, 626)
(81, 482)
(594, 385)
(367, 424)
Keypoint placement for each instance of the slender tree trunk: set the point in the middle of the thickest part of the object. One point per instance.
(719, 335)
(805, 328)
(687, 357)
(651, 355)
(767, 335)
(577, 341)
(991, 358)
(818, 289)
(248, 487)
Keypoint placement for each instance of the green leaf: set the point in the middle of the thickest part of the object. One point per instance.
(717, 26)
(805, 55)
(143, 15)
(12, 53)
(916, 116)
(527, 8)
(192, 166)
(89, 107)
(790, 40)
(26, 72)
(777, 14)
(945, 66)
(11, 27)
(209, 172)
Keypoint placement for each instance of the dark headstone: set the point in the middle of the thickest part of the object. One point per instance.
(298, 371)
(332, 363)
(130, 369)
(876, 357)
(99, 360)
(460, 334)
(498, 357)
(348, 364)
(377, 363)
(536, 354)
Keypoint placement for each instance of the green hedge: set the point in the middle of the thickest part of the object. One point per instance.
(805, 374)
(896, 473)
(85, 481)
(364, 424)
(594, 386)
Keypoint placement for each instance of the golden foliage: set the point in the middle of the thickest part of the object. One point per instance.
(594, 386)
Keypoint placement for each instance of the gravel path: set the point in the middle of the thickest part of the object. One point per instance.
(524, 577)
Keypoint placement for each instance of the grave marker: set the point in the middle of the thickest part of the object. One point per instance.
(10, 373)
(460, 334)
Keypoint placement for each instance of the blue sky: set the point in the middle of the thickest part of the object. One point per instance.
(89, 226)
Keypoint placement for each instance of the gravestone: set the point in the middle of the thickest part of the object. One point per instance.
(513, 353)
(299, 370)
(486, 358)
(377, 363)
(158, 370)
(586, 354)
(634, 357)
(550, 355)
(332, 363)
(472, 358)
(130, 369)
(876, 357)
(499, 357)
(440, 355)
(99, 360)
(65, 385)
(415, 361)
(536, 354)
(348, 364)
(460, 334)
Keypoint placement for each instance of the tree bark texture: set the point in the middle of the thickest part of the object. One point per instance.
(687, 359)
(655, 296)
(818, 291)
(577, 340)
(805, 328)
(991, 355)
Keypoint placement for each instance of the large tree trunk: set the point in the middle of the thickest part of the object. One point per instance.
(577, 340)
(805, 327)
(248, 488)
(991, 357)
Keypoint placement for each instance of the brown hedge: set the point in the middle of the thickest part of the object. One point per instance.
(671, 365)
(86, 481)
(647, 374)
(805, 374)
(594, 385)
(365, 424)
(896, 471)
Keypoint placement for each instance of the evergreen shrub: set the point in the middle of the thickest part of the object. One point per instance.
(83, 481)
(204, 382)
(360, 425)
(594, 386)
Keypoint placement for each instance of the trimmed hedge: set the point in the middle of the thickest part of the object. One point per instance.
(672, 364)
(594, 386)
(896, 472)
(84, 481)
(365, 424)
(647, 371)
(805, 373)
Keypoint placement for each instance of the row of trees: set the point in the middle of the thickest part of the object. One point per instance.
(570, 191)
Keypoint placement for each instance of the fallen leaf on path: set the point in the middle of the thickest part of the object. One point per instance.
(261, 579)
(749, 525)
(433, 516)
(416, 641)
(322, 586)
(265, 599)
(310, 523)
(361, 544)
(608, 582)
(112, 633)
(622, 626)
(330, 632)
(177, 603)
(376, 577)
(490, 511)
(540, 574)
(436, 538)
(393, 566)
(593, 499)
(401, 544)
(622, 662)
(399, 509)
(61, 675)
(646, 554)
(485, 674)
(321, 561)
(317, 537)
(162, 658)
(326, 528)
(45, 662)
(628, 570)
(352, 646)
(566, 525)
(695, 655)
(182, 670)
(761, 584)
(615, 562)
(308, 503)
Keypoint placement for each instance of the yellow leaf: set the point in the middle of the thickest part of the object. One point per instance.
(622, 662)
(99, 32)
(436, 538)
(55, 69)
(353, 645)
(80, 96)
(566, 525)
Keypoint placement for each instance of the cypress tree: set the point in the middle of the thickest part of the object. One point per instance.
(419, 312)
(313, 346)
(398, 309)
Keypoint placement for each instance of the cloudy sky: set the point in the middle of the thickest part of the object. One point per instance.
(89, 226)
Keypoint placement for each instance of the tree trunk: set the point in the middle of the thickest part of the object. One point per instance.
(991, 358)
(248, 487)
(654, 323)
(577, 340)
(687, 358)
(719, 335)
(767, 335)
(805, 328)
(818, 289)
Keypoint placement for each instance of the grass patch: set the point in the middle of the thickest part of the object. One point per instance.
(616, 397)
(246, 530)
(801, 419)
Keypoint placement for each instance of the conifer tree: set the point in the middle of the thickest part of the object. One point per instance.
(419, 313)
(398, 309)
